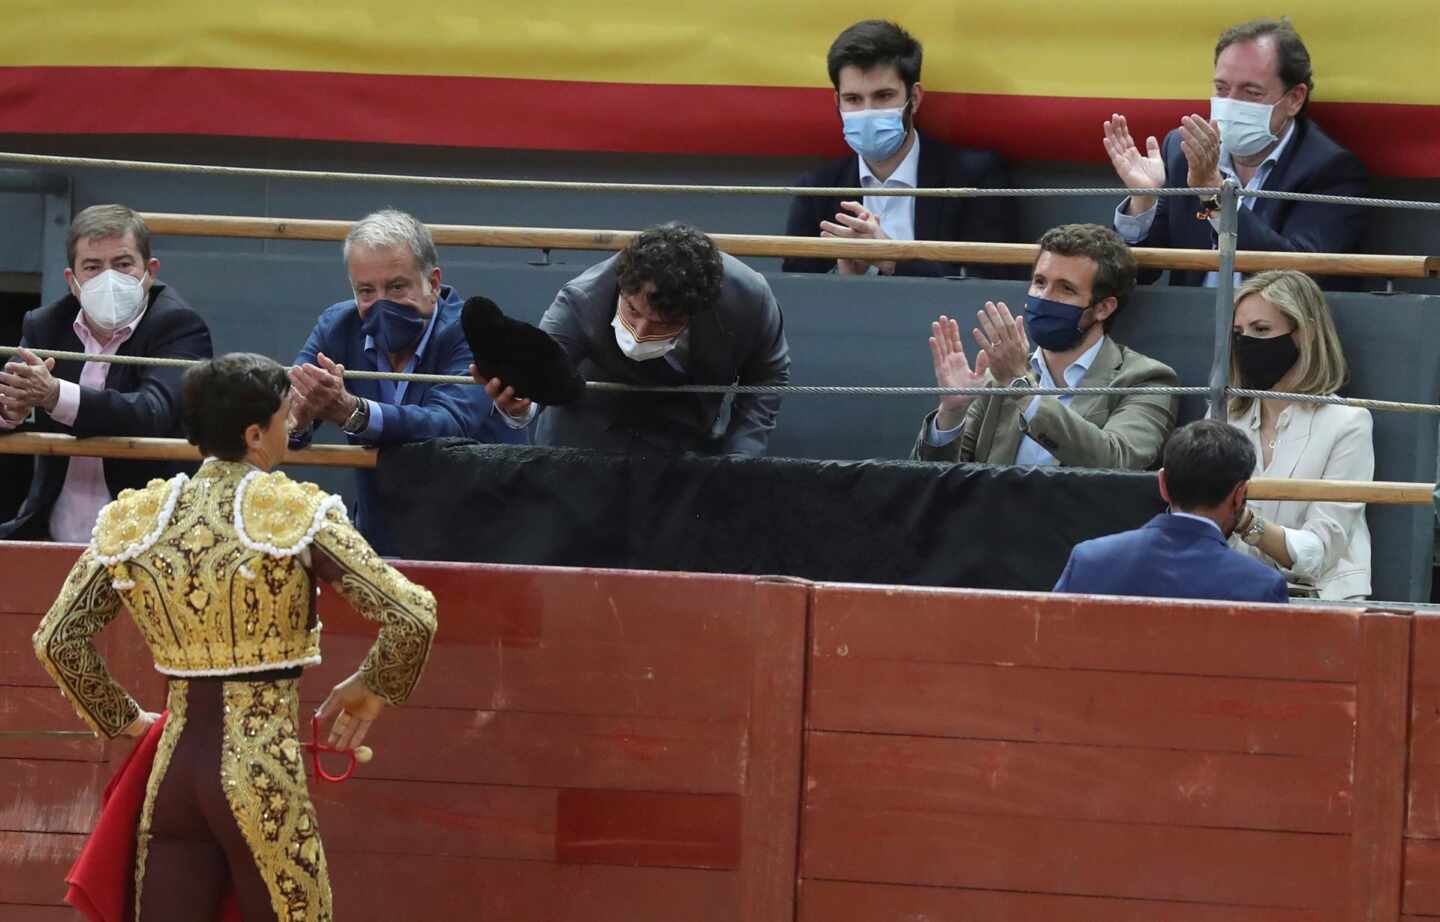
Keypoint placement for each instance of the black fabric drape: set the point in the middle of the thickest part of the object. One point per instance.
(901, 522)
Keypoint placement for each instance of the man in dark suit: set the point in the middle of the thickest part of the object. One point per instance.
(1182, 554)
(401, 319)
(669, 309)
(116, 305)
(875, 68)
(1257, 135)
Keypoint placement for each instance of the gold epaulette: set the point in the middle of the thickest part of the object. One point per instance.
(133, 522)
(278, 516)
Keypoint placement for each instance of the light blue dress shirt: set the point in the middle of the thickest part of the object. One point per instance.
(1032, 452)
(392, 392)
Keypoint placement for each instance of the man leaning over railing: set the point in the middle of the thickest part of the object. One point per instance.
(1081, 279)
(670, 309)
(115, 305)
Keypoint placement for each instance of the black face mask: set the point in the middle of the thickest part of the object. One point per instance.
(1263, 362)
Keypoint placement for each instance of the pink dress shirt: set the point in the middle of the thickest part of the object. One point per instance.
(85, 492)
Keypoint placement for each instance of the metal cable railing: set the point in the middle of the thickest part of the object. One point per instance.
(548, 185)
(805, 390)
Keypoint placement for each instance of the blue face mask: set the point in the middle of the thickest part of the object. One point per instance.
(1053, 325)
(875, 134)
(395, 327)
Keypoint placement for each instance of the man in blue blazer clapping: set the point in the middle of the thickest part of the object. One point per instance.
(1182, 553)
(401, 319)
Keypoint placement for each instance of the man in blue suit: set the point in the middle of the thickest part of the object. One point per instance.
(1258, 135)
(401, 319)
(1182, 554)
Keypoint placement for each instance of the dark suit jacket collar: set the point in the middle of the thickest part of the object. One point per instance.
(1180, 525)
(1281, 178)
(930, 174)
(62, 337)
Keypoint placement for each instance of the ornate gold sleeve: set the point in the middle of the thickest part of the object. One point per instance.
(405, 610)
(63, 644)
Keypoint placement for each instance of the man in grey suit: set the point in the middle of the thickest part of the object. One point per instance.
(669, 309)
(1081, 278)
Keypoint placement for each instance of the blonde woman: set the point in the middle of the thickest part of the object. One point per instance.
(1284, 340)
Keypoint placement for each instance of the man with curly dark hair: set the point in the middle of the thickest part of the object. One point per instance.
(669, 309)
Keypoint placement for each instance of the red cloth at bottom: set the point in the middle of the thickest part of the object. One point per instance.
(102, 880)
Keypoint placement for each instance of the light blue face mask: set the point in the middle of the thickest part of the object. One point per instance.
(875, 134)
(1244, 126)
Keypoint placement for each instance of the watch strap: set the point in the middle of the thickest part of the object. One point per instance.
(359, 419)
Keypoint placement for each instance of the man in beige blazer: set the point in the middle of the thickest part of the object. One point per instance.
(1082, 277)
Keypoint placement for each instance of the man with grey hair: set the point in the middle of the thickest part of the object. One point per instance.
(115, 305)
(1257, 134)
(400, 319)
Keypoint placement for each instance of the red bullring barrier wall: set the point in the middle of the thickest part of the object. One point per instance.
(597, 745)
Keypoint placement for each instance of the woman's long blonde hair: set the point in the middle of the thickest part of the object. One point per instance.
(1322, 368)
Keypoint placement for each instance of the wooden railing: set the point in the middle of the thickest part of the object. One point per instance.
(1015, 254)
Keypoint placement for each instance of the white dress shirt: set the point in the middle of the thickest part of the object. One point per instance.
(896, 213)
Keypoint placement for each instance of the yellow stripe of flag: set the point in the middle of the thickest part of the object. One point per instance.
(1381, 52)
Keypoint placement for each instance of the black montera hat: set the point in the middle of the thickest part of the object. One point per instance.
(525, 357)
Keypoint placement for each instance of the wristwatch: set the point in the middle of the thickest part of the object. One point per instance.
(360, 419)
(1209, 207)
(1251, 533)
(1021, 381)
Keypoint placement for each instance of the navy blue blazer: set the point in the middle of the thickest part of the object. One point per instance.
(1311, 162)
(991, 220)
(1170, 557)
(425, 411)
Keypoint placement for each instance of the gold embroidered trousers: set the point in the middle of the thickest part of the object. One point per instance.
(227, 808)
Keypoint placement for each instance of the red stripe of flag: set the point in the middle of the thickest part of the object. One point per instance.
(567, 115)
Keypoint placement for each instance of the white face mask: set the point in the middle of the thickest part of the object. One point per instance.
(112, 299)
(1244, 126)
(641, 351)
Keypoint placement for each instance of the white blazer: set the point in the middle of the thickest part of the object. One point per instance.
(1318, 442)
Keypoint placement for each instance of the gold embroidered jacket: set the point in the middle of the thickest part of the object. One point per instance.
(217, 573)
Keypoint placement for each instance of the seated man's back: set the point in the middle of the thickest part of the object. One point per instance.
(1172, 556)
(1183, 553)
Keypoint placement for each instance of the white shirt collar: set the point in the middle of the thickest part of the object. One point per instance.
(1199, 518)
(907, 174)
(1075, 371)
